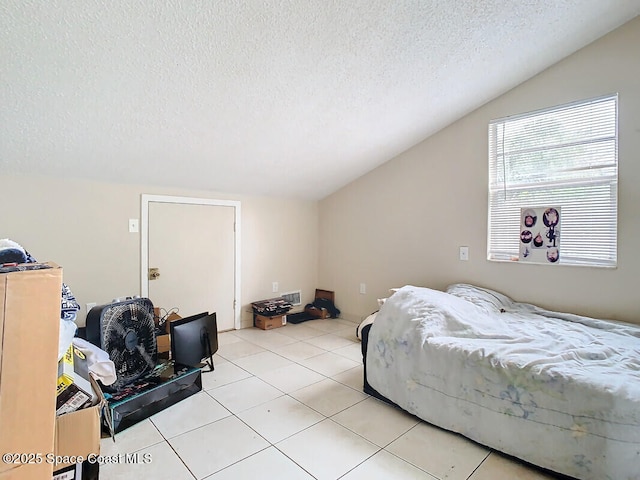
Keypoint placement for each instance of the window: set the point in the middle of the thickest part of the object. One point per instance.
(565, 156)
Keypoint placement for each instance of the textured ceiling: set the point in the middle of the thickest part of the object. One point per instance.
(269, 97)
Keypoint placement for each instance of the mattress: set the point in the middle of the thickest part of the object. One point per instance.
(367, 321)
(557, 390)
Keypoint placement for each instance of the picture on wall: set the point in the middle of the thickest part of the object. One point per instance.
(540, 235)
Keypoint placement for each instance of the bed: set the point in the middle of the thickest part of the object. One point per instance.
(556, 390)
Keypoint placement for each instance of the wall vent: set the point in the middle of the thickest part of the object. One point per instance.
(295, 297)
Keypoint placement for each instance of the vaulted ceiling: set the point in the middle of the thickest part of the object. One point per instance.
(262, 97)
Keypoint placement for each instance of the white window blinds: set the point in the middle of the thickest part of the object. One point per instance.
(565, 156)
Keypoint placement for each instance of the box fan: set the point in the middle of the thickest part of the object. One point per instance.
(126, 331)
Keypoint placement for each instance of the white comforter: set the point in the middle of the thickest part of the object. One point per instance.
(557, 390)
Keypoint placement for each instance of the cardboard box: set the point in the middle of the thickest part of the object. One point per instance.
(157, 316)
(163, 342)
(73, 389)
(79, 471)
(72, 472)
(268, 323)
(171, 318)
(78, 433)
(29, 331)
(321, 312)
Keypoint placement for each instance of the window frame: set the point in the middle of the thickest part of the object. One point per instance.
(600, 183)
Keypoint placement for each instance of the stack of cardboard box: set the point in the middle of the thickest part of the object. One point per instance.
(270, 313)
(29, 331)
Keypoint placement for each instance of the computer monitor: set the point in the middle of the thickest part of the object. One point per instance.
(194, 338)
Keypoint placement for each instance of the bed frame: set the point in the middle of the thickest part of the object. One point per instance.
(367, 388)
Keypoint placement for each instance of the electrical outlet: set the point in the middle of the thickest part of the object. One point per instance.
(90, 306)
(275, 287)
(464, 253)
(363, 288)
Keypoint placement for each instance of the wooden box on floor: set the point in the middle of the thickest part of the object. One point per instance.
(321, 312)
(268, 323)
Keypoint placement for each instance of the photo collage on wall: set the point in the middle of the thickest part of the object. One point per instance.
(540, 235)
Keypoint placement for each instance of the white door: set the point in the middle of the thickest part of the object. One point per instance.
(192, 244)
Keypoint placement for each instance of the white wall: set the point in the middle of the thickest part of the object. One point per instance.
(403, 222)
(83, 226)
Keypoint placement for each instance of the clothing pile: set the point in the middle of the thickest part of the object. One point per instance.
(271, 307)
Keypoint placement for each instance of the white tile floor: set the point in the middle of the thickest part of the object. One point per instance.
(288, 404)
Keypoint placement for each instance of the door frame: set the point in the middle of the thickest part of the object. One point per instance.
(144, 244)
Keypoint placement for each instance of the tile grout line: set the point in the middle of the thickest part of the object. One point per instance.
(232, 414)
(479, 465)
(325, 417)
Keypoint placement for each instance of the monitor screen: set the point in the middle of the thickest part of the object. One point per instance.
(194, 338)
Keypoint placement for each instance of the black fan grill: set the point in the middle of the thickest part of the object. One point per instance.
(128, 336)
